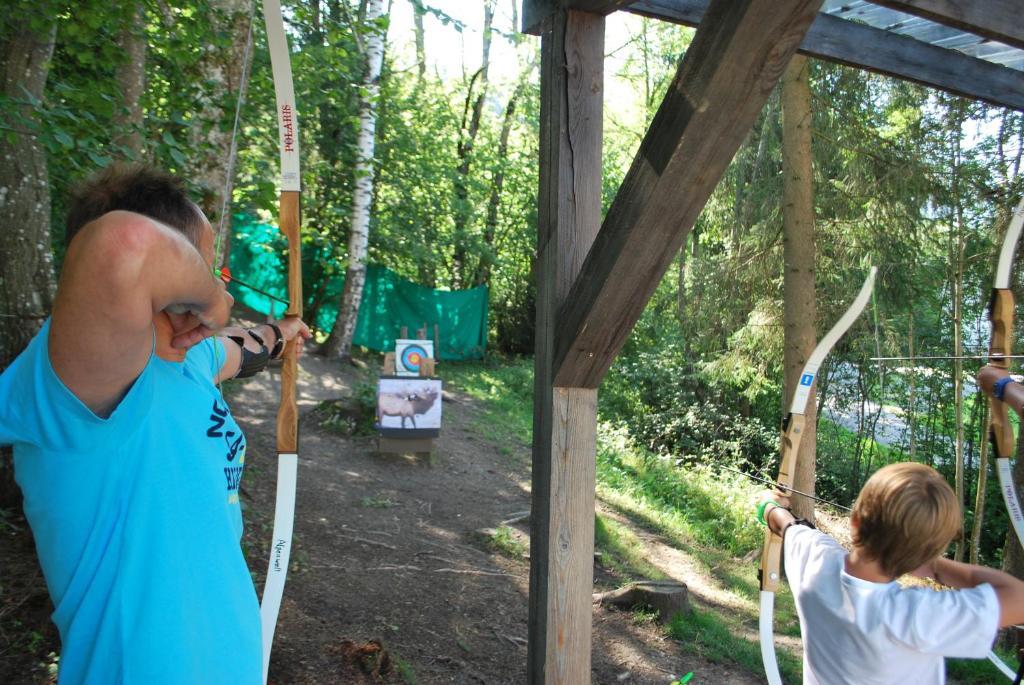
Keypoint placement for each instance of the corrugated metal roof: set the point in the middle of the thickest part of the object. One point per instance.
(926, 31)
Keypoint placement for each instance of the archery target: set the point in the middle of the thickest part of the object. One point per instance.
(409, 355)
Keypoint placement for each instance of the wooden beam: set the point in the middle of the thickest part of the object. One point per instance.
(536, 11)
(865, 47)
(565, 419)
(727, 74)
(999, 20)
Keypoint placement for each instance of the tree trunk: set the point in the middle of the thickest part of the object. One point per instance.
(483, 273)
(131, 79)
(911, 385)
(339, 342)
(958, 294)
(800, 310)
(226, 73)
(979, 493)
(467, 140)
(26, 257)
(421, 44)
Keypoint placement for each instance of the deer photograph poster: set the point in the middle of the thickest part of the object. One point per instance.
(409, 404)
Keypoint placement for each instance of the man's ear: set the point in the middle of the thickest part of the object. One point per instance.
(854, 523)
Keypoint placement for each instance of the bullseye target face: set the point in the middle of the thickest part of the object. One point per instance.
(410, 355)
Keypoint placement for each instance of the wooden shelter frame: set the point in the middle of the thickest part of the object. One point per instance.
(594, 277)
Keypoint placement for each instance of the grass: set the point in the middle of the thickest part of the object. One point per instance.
(404, 669)
(505, 389)
(979, 671)
(622, 551)
(378, 502)
(714, 639)
(504, 541)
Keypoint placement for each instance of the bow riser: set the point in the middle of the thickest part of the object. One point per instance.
(1000, 315)
(288, 412)
(771, 551)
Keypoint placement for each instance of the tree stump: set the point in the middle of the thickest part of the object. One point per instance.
(667, 597)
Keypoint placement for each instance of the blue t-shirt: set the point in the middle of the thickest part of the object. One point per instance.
(137, 522)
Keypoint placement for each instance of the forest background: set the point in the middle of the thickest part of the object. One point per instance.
(917, 182)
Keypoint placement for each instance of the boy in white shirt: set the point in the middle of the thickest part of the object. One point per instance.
(862, 627)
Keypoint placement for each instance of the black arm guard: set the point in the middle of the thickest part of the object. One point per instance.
(252, 362)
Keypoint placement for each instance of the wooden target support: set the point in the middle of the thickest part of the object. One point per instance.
(422, 447)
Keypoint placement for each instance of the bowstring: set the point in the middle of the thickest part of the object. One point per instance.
(222, 222)
(233, 148)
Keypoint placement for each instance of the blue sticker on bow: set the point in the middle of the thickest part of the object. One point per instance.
(807, 379)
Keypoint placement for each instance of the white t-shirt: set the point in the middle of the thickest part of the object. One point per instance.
(864, 633)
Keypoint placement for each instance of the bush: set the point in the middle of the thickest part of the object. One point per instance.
(671, 406)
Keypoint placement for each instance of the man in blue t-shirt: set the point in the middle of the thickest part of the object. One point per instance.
(126, 453)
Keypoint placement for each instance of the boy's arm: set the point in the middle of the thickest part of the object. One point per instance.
(120, 271)
(1009, 590)
(1013, 392)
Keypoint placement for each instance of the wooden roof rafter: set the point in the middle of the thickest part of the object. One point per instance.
(874, 49)
(866, 47)
(994, 19)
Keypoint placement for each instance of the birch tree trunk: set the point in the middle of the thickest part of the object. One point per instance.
(339, 342)
(26, 258)
(800, 310)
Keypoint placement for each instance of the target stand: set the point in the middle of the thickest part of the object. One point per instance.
(422, 447)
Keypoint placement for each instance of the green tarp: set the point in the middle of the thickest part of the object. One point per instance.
(389, 301)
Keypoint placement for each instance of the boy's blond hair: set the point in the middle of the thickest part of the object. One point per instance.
(907, 515)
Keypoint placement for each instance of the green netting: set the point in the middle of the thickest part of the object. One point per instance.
(389, 301)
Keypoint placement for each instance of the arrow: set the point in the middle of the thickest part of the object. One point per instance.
(224, 274)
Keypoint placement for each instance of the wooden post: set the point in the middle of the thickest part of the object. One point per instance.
(565, 419)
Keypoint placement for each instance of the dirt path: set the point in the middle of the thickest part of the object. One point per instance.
(390, 549)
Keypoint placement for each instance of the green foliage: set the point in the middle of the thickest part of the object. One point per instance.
(693, 412)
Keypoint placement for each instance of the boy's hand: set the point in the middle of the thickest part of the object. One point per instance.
(776, 496)
(988, 375)
(292, 326)
(191, 326)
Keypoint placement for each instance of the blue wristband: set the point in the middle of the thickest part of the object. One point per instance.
(1000, 387)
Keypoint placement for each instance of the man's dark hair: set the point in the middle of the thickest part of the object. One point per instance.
(135, 188)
